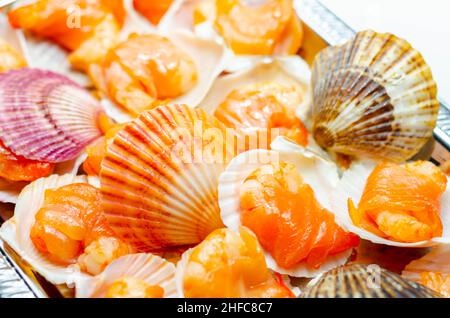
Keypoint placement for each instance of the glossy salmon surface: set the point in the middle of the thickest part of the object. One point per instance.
(281, 209)
(261, 112)
(402, 202)
(229, 264)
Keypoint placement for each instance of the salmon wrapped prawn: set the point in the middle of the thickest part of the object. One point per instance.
(432, 270)
(264, 101)
(229, 264)
(401, 202)
(87, 28)
(70, 228)
(267, 27)
(394, 204)
(282, 196)
(144, 69)
(260, 109)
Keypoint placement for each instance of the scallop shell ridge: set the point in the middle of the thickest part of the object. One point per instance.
(45, 116)
(373, 96)
(365, 281)
(153, 198)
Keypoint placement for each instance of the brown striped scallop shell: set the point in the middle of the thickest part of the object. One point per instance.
(373, 96)
(365, 281)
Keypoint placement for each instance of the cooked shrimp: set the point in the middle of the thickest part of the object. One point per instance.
(71, 228)
(88, 28)
(288, 221)
(401, 202)
(260, 112)
(229, 264)
(101, 252)
(10, 58)
(143, 69)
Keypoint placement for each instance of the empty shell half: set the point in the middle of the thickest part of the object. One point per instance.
(365, 281)
(373, 96)
(130, 276)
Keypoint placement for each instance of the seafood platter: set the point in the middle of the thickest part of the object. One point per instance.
(213, 149)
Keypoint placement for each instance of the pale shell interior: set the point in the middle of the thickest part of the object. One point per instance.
(352, 185)
(289, 71)
(134, 21)
(16, 231)
(319, 173)
(152, 269)
(10, 35)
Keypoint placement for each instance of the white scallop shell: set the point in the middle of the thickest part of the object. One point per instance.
(319, 173)
(16, 231)
(134, 21)
(179, 273)
(209, 58)
(10, 35)
(152, 269)
(352, 184)
(436, 261)
(289, 71)
(10, 190)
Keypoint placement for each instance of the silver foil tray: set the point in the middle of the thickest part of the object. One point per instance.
(13, 282)
(322, 28)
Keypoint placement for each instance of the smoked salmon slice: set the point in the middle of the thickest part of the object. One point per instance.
(16, 168)
(87, 28)
(70, 227)
(289, 222)
(402, 202)
(153, 10)
(143, 70)
(261, 112)
(262, 29)
(230, 264)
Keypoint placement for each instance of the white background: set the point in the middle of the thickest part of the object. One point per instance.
(424, 23)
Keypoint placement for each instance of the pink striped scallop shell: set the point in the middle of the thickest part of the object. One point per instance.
(46, 116)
